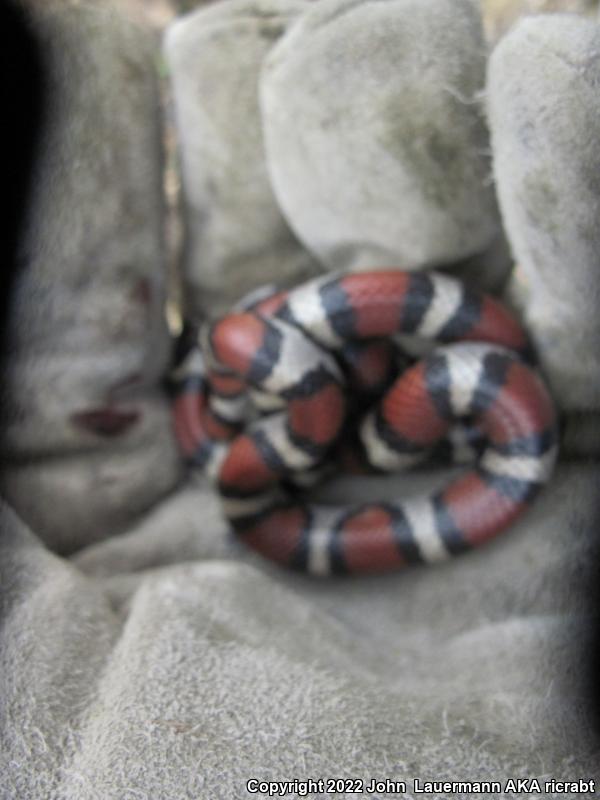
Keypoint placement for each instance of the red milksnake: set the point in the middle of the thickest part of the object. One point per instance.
(301, 356)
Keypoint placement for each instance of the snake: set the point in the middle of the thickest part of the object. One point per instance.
(267, 397)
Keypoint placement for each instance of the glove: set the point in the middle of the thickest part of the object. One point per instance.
(148, 654)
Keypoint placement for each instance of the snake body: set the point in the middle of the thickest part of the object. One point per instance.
(301, 356)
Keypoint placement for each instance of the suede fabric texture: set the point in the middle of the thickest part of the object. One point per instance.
(161, 659)
(237, 237)
(85, 418)
(542, 88)
(186, 681)
(377, 154)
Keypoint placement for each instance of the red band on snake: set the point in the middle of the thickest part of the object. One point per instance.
(311, 363)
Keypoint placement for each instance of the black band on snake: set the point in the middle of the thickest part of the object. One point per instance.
(270, 396)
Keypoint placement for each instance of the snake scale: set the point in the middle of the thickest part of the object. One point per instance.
(268, 396)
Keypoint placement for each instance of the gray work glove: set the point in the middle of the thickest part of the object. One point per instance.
(312, 137)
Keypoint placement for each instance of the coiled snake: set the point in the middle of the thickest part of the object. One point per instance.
(265, 396)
